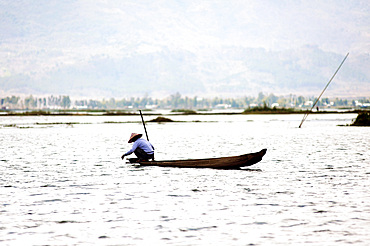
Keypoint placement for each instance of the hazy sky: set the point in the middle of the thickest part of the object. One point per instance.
(37, 38)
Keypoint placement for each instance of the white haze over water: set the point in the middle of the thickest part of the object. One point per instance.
(125, 48)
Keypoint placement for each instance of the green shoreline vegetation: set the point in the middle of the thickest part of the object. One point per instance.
(255, 110)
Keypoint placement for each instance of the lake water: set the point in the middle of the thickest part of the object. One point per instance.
(65, 184)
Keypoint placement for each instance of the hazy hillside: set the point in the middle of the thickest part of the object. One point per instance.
(125, 48)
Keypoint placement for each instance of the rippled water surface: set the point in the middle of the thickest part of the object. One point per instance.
(63, 183)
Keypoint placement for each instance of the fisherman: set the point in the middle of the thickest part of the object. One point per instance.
(142, 148)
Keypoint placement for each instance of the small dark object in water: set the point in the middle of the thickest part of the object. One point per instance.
(161, 119)
(363, 119)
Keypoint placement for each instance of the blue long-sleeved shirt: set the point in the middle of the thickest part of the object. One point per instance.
(142, 144)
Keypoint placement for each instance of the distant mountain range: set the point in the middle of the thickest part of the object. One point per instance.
(205, 48)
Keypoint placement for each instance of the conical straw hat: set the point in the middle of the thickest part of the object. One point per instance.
(134, 136)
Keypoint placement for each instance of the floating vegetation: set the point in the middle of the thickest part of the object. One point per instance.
(115, 122)
(268, 110)
(265, 109)
(363, 119)
(117, 113)
(61, 123)
(91, 112)
(161, 120)
(184, 111)
(14, 126)
(10, 125)
(38, 113)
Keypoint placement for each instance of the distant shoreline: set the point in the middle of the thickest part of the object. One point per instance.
(177, 112)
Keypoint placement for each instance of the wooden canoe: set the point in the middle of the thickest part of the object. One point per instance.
(232, 162)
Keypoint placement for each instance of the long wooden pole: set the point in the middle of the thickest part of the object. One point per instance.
(306, 114)
(142, 119)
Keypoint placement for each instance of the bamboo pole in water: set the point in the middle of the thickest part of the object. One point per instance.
(142, 119)
(306, 114)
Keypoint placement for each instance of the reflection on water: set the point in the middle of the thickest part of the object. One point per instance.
(65, 184)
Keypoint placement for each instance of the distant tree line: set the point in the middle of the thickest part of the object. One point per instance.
(175, 101)
(31, 102)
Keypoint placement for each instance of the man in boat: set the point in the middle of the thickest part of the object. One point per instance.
(142, 148)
